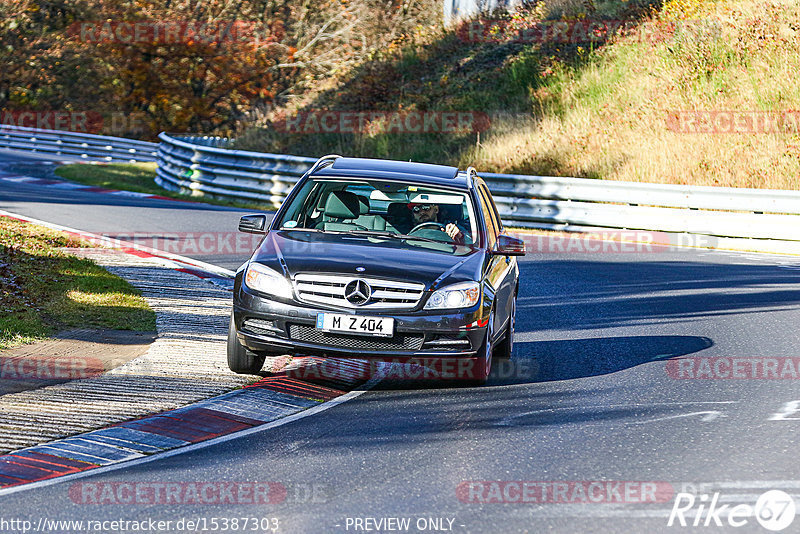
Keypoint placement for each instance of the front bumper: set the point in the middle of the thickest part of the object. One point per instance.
(275, 327)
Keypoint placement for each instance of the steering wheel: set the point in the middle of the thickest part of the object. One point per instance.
(438, 226)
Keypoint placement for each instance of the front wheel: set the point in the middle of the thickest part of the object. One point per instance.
(505, 348)
(483, 359)
(241, 360)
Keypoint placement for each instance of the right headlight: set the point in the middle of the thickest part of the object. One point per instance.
(461, 295)
(265, 280)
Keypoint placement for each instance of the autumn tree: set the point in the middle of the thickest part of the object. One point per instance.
(222, 60)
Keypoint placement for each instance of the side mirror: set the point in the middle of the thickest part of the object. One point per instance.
(508, 246)
(253, 224)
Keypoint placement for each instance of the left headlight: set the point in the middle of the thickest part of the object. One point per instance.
(264, 280)
(461, 295)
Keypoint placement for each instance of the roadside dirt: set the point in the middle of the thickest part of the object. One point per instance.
(70, 355)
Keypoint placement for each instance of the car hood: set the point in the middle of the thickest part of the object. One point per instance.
(296, 252)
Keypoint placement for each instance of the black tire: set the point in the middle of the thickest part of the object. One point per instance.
(483, 363)
(241, 360)
(505, 349)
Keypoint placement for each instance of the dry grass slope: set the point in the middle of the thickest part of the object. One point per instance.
(616, 108)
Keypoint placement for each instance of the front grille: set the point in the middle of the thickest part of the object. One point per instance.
(330, 289)
(400, 341)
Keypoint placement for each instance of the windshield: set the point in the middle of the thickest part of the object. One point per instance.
(417, 215)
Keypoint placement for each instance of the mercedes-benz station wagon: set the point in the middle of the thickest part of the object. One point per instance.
(379, 259)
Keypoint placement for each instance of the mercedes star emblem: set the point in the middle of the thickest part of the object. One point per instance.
(357, 292)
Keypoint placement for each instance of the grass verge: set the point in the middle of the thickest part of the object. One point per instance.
(139, 177)
(44, 289)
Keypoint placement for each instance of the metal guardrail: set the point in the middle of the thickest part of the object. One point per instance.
(204, 165)
(719, 211)
(201, 166)
(87, 147)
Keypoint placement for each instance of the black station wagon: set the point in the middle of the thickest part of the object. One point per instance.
(379, 259)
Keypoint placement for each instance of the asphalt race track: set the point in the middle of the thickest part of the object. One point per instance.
(594, 413)
(200, 231)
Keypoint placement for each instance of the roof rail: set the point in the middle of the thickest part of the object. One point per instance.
(317, 164)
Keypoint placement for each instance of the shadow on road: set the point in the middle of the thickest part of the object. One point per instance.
(549, 361)
(579, 358)
(579, 294)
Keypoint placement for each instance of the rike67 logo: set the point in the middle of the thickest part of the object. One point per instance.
(774, 510)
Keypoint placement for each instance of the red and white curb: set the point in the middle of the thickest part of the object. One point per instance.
(268, 403)
(100, 422)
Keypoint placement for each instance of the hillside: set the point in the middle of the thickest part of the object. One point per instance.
(687, 92)
(134, 69)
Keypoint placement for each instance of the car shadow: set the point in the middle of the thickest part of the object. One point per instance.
(566, 359)
(533, 362)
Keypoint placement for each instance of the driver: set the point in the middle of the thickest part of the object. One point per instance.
(422, 213)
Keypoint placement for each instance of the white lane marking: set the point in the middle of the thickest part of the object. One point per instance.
(68, 185)
(787, 409)
(593, 510)
(131, 194)
(197, 446)
(509, 421)
(756, 484)
(19, 179)
(661, 357)
(708, 416)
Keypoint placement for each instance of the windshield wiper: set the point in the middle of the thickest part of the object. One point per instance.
(392, 235)
(371, 233)
(317, 230)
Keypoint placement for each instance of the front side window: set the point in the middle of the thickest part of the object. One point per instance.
(411, 213)
(488, 216)
(492, 207)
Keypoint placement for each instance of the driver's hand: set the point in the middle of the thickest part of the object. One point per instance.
(452, 230)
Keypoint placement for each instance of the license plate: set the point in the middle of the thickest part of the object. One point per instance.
(355, 324)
